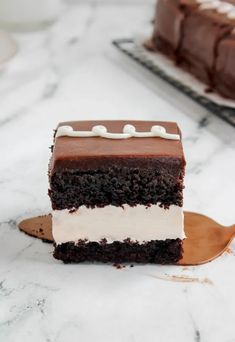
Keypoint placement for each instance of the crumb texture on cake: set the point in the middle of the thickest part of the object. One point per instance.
(154, 252)
(116, 186)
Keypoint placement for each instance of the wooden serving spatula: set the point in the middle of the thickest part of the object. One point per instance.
(206, 239)
(39, 227)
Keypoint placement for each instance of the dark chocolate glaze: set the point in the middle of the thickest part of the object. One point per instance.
(92, 153)
(197, 40)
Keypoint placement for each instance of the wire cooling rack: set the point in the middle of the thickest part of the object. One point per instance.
(137, 53)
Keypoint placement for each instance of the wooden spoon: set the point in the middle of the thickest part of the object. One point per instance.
(206, 239)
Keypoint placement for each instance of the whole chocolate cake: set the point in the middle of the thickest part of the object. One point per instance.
(199, 35)
(116, 189)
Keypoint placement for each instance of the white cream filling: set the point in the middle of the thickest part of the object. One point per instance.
(117, 224)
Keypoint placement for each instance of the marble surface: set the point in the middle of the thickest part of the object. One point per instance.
(69, 72)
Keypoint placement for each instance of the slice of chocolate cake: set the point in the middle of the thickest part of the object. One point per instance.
(199, 36)
(116, 189)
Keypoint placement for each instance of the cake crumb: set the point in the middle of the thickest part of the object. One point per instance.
(208, 90)
(119, 266)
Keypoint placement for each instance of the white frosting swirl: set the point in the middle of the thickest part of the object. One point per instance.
(220, 6)
(129, 131)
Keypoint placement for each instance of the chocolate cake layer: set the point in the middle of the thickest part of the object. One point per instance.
(196, 39)
(117, 186)
(99, 172)
(155, 252)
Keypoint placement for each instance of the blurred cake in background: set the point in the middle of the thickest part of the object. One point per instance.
(199, 35)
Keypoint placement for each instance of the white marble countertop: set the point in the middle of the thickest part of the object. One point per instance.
(69, 72)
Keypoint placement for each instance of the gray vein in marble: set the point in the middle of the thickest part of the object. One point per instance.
(87, 25)
(42, 286)
(18, 254)
(15, 257)
(196, 169)
(204, 122)
(90, 19)
(17, 115)
(52, 87)
(41, 303)
(73, 41)
(11, 223)
(192, 138)
(4, 290)
(197, 335)
(26, 110)
(199, 167)
(50, 90)
(20, 313)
